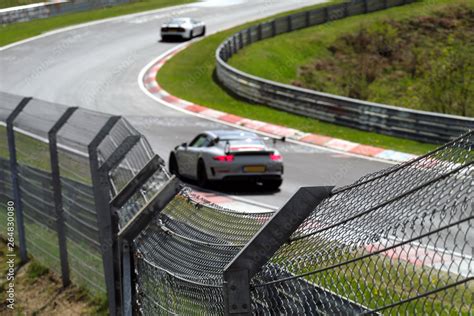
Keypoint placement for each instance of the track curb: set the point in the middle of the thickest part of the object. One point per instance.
(148, 79)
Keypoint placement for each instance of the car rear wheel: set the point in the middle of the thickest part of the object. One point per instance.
(272, 185)
(173, 165)
(202, 174)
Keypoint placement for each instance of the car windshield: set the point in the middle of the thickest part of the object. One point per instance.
(178, 21)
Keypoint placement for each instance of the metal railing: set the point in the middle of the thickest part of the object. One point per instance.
(390, 120)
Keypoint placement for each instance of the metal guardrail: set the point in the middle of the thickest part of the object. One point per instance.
(390, 120)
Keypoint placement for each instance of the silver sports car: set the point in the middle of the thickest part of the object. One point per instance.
(228, 155)
(185, 28)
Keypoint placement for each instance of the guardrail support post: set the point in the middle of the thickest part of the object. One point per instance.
(274, 28)
(57, 193)
(257, 252)
(259, 31)
(14, 176)
(101, 187)
(307, 18)
(234, 44)
(241, 40)
(290, 24)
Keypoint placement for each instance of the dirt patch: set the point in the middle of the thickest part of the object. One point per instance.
(38, 291)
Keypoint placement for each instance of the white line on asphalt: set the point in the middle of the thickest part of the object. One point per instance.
(78, 26)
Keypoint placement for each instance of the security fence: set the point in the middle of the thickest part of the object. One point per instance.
(390, 120)
(94, 203)
(60, 166)
(399, 241)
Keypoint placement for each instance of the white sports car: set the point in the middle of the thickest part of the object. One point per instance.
(228, 155)
(185, 28)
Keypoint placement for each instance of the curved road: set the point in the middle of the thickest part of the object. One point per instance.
(96, 66)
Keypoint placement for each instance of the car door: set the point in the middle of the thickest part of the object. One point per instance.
(187, 156)
(195, 152)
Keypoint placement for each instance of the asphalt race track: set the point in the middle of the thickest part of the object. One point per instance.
(96, 66)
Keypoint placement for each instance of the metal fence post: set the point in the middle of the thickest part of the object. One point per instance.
(133, 228)
(14, 176)
(366, 6)
(126, 279)
(290, 24)
(111, 163)
(276, 232)
(241, 40)
(57, 194)
(307, 18)
(101, 190)
(273, 28)
(249, 36)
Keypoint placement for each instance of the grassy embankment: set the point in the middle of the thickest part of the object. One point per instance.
(19, 31)
(190, 74)
(420, 56)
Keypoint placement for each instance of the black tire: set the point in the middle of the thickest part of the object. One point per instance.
(173, 165)
(202, 179)
(203, 31)
(272, 185)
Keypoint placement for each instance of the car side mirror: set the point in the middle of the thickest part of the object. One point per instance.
(185, 145)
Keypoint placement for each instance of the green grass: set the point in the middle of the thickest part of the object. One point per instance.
(190, 75)
(20, 31)
(379, 279)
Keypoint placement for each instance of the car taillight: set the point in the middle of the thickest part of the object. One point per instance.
(275, 157)
(224, 158)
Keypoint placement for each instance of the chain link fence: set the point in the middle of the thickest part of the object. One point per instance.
(181, 255)
(61, 166)
(96, 205)
(398, 241)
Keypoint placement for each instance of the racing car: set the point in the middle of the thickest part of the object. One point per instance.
(223, 155)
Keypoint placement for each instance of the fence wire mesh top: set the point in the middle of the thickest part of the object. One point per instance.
(397, 241)
(181, 255)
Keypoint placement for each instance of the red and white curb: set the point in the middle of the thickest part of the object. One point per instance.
(148, 83)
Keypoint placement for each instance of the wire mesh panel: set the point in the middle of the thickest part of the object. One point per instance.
(138, 200)
(399, 241)
(181, 255)
(80, 217)
(34, 173)
(5, 177)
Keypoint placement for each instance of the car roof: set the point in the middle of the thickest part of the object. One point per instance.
(232, 134)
